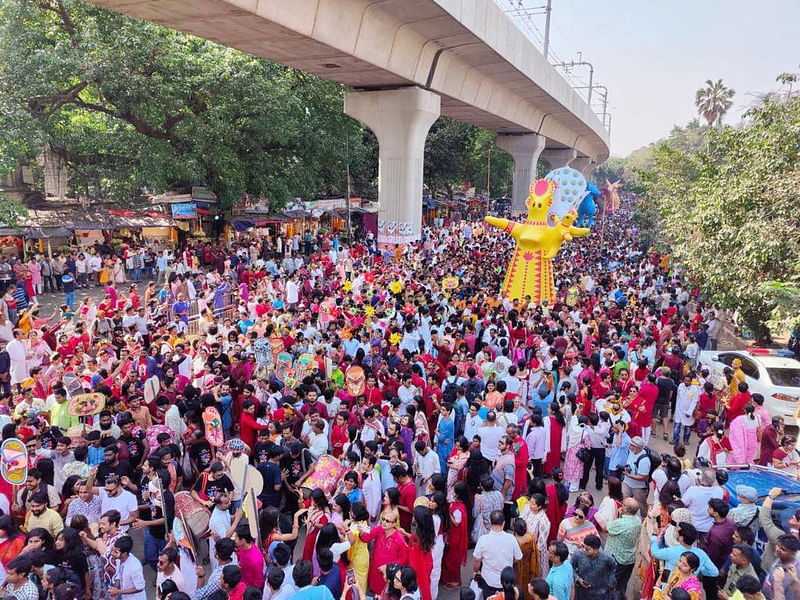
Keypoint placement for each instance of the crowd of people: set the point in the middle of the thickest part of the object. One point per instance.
(426, 421)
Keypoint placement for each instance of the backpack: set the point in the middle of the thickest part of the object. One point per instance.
(655, 462)
(473, 390)
(450, 390)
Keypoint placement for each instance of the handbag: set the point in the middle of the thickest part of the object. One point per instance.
(583, 453)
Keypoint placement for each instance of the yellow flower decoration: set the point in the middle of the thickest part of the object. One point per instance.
(395, 338)
(369, 310)
(396, 287)
(348, 285)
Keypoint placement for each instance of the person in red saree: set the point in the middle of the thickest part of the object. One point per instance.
(557, 496)
(555, 424)
(390, 547)
(339, 434)
(455, 555)
(585, 396)
(521, 457)
(420, 549)
(11, 540)
(319, 513)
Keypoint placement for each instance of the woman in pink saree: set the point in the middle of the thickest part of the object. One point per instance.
(682, 577)
(744, 437)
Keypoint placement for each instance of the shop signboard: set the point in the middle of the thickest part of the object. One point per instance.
(184, 210)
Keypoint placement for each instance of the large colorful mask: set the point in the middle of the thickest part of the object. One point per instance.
(283, 369)
(354, 380)
(327, 311)
(305, 363)
(276, 347)
(450, 283)
(530, 272)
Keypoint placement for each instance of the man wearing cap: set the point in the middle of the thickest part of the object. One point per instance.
(636, 474)
(746, 512)
(236, 456)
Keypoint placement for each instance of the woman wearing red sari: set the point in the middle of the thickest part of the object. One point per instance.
(521, 458)
(420, 549)
(557, 496)
(555, 431)
(455, 555)
(11, 540)
(339, 435)
(319, 513)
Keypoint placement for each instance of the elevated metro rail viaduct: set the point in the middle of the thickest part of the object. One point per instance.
(407, 62)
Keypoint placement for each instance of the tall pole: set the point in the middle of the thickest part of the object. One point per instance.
(591, 76)
(489, 174)
(347, 153)
(546, 48)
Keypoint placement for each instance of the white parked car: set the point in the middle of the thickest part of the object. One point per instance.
(773, 374)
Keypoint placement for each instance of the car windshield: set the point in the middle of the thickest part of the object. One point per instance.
(784, 377)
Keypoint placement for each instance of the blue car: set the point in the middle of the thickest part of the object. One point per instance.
(763, 479)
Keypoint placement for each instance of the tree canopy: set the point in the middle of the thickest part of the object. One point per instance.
(727, 208)
(130, 105)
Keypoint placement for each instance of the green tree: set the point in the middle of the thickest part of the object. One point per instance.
(490, 166)
(129, 104)
(728, 211)
(713, 101)
(447, 154)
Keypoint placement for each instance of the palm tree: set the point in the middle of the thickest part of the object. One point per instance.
(713, 101)
(788, 79)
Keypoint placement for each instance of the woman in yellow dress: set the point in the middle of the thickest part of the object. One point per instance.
(358, 555)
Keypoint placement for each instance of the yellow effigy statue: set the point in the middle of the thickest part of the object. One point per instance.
(530, 272)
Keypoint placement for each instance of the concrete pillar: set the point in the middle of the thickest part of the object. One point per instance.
(400, 119)
(558, 158)
(581, 163)
(525, 150)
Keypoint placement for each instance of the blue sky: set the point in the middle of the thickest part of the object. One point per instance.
(653, 56)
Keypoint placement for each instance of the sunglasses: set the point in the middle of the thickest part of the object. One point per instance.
(383, 520)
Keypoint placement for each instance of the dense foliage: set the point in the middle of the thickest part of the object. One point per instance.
(457, 153)
(727, 207)
(132, 105)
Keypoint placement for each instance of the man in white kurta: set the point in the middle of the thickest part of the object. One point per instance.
(18, 353)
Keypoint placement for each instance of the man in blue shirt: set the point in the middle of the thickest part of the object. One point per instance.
(560, 578)
(687, 535)
(330, 575)
(637, 474)
(303, 575)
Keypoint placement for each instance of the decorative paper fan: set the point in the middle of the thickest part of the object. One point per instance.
(570, 190)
